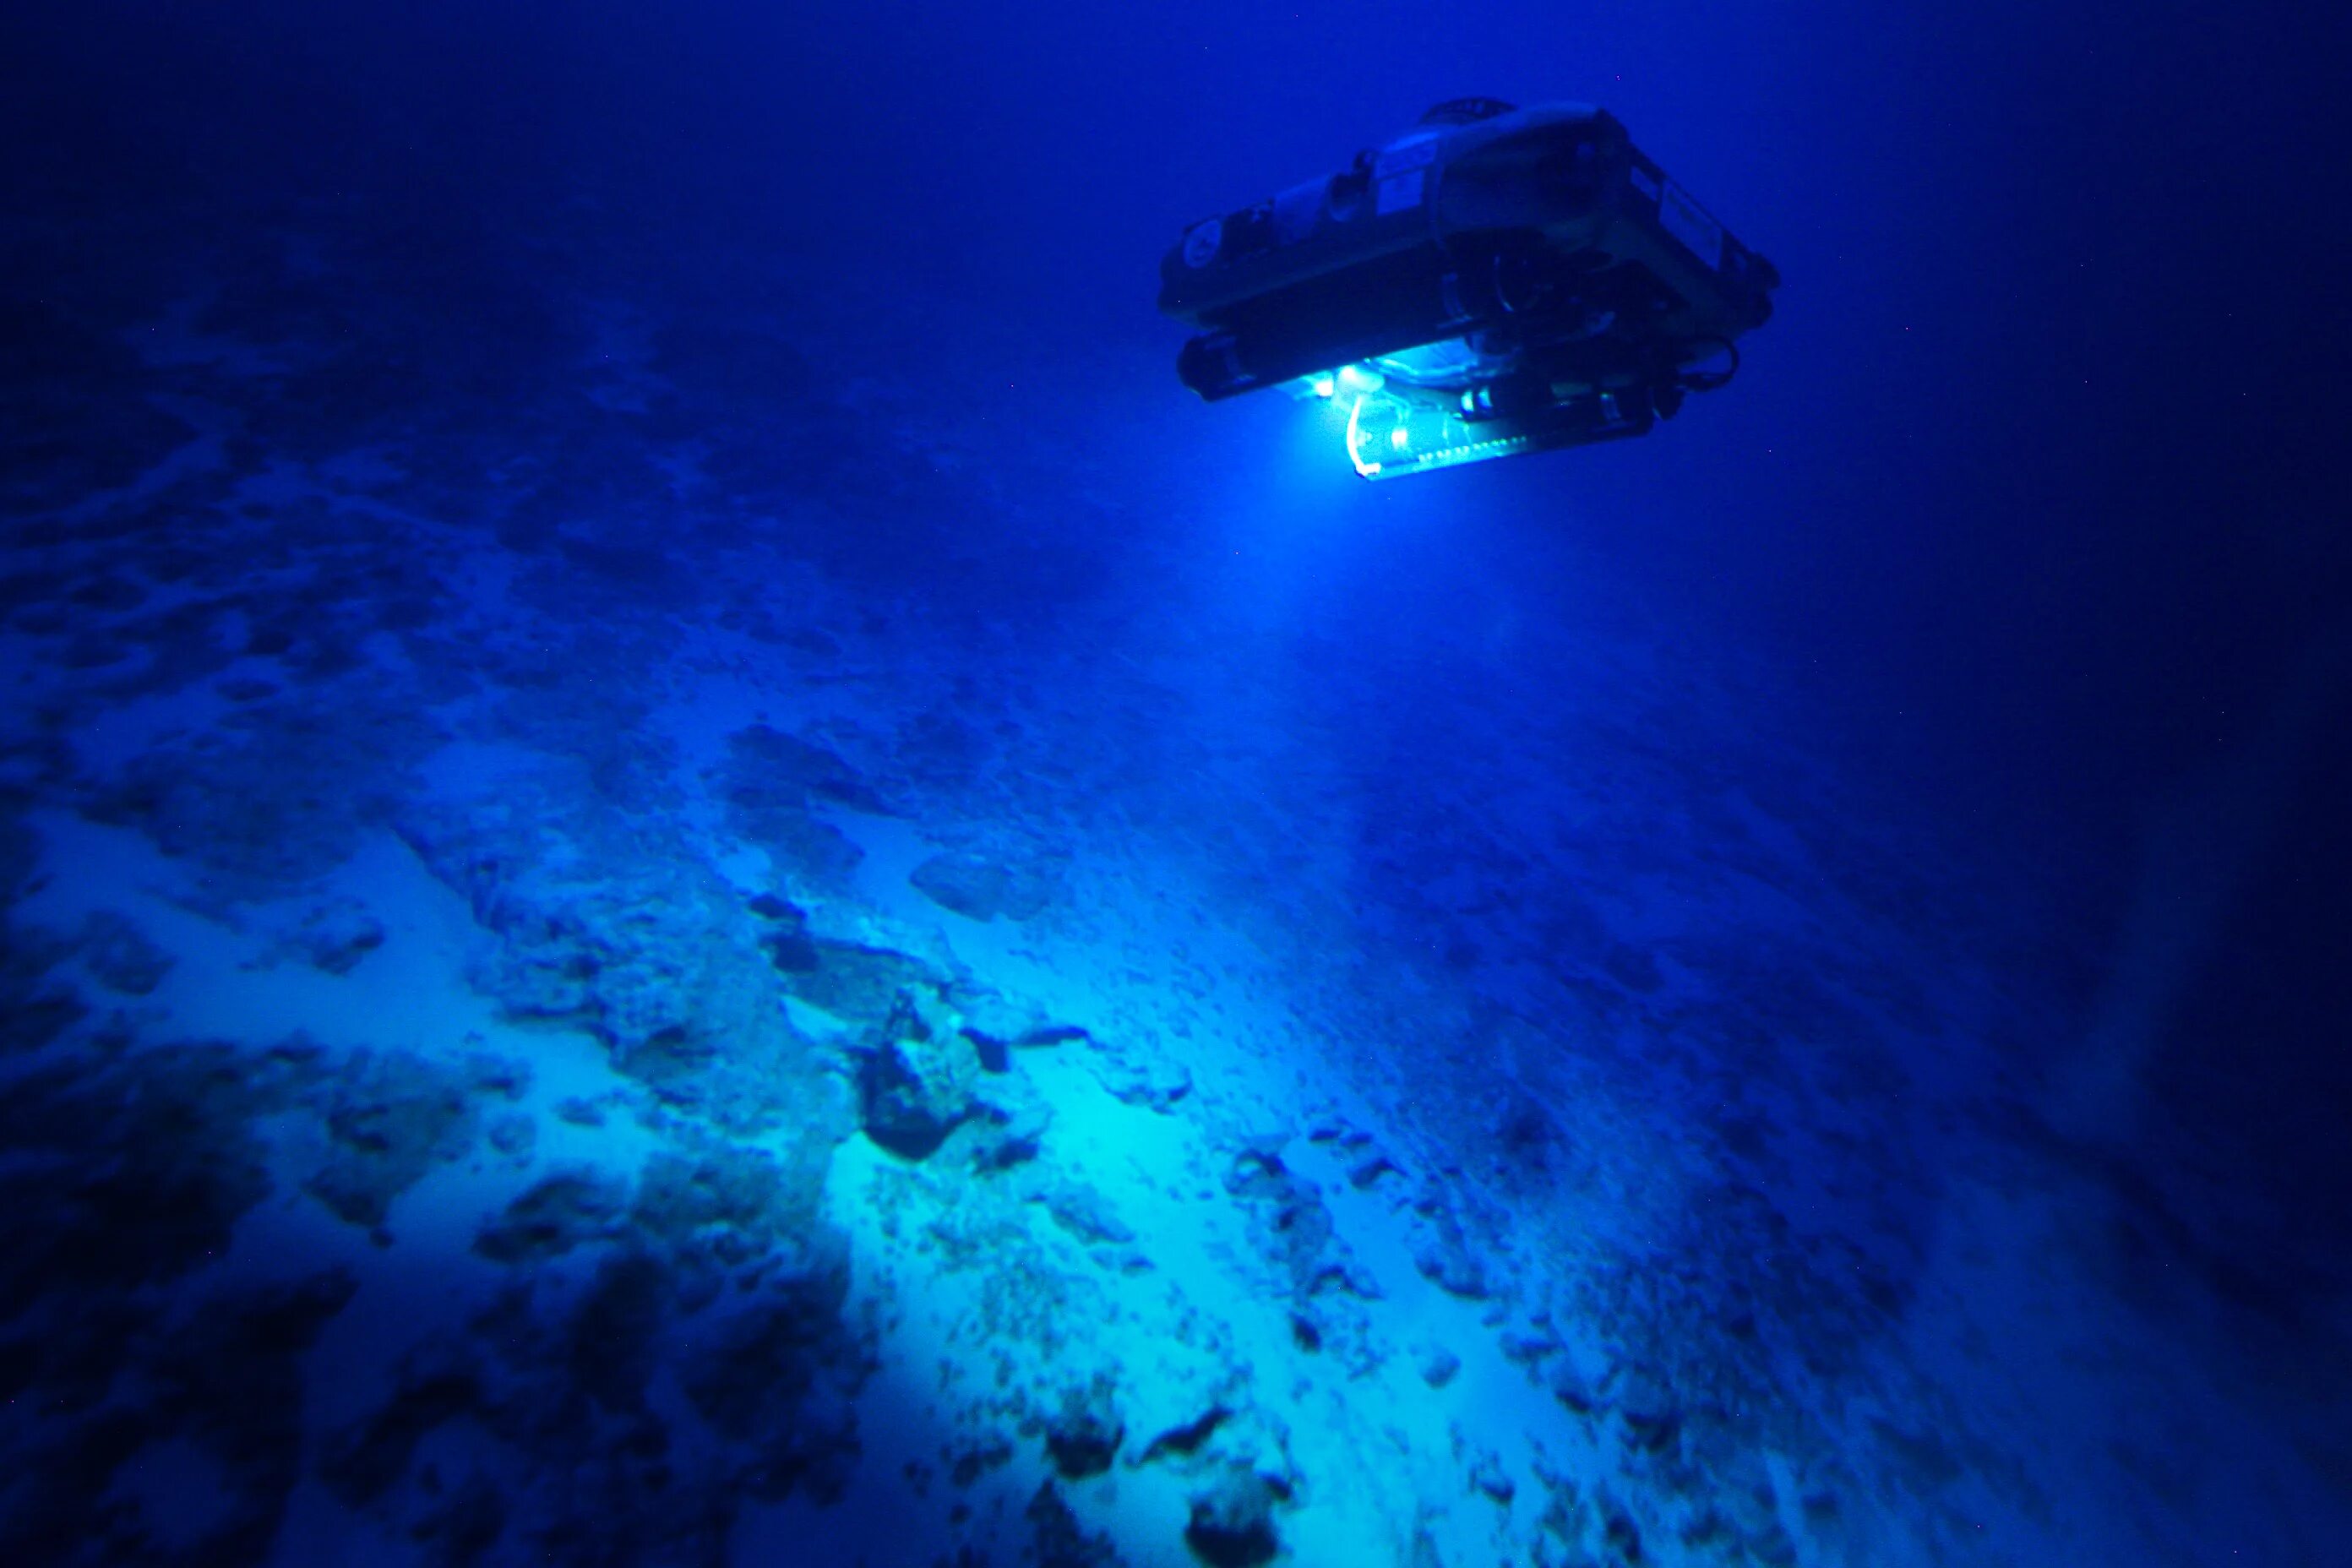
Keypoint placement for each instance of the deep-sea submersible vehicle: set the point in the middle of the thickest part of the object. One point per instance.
(1496, 280)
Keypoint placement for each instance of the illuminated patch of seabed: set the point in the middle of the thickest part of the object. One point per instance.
(940, 1384)
(1369, 1446)
(1408, 1426)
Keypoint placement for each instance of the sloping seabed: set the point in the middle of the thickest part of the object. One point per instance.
(626, 948)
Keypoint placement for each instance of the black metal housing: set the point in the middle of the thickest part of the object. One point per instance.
(1542, 239)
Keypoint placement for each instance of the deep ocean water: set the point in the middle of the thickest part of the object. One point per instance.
(669, 903)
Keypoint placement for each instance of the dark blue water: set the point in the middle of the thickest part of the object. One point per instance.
(696, 875)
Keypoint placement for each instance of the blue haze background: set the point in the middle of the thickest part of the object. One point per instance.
(2071, 269)
(2043, 498)
(2028, 508)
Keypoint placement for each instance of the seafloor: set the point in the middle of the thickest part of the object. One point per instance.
(656, 920)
